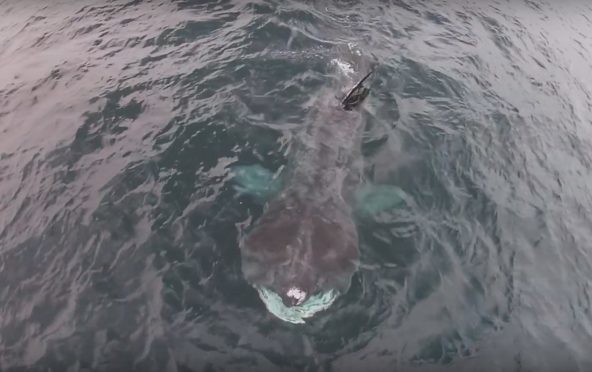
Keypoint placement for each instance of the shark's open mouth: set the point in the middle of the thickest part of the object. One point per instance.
(296, 314)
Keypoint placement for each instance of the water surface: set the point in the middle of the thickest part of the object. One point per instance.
(119, 225)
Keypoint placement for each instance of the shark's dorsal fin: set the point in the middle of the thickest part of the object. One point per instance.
(357, 94)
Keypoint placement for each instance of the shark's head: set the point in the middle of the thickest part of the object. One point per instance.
(300, 256)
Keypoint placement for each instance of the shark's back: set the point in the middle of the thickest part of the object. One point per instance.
(306, 243)
(302, 242)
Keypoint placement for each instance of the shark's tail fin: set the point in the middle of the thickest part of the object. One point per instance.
(357, 94)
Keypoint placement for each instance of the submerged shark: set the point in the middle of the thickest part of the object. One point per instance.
(302, 252)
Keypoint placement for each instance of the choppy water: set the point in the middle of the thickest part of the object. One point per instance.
(119, 228)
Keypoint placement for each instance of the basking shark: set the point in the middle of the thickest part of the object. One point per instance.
(302, 252)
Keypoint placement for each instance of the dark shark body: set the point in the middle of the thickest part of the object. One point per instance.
(306, 242)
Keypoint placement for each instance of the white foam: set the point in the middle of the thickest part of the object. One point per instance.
(345, 67)
(297, 294)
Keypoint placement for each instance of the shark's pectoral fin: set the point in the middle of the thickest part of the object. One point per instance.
(256, 181)
(371, 200)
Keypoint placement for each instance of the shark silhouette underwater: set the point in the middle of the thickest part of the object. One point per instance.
(301, 254)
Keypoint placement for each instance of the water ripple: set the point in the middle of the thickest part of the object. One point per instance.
(119, 226)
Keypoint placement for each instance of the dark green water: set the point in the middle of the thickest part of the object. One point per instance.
(119, 225)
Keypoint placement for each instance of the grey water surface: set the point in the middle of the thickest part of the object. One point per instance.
(119, 226)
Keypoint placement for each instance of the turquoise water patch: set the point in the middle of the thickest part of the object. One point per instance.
(371, 200)
(296, 314)
(256, 181)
